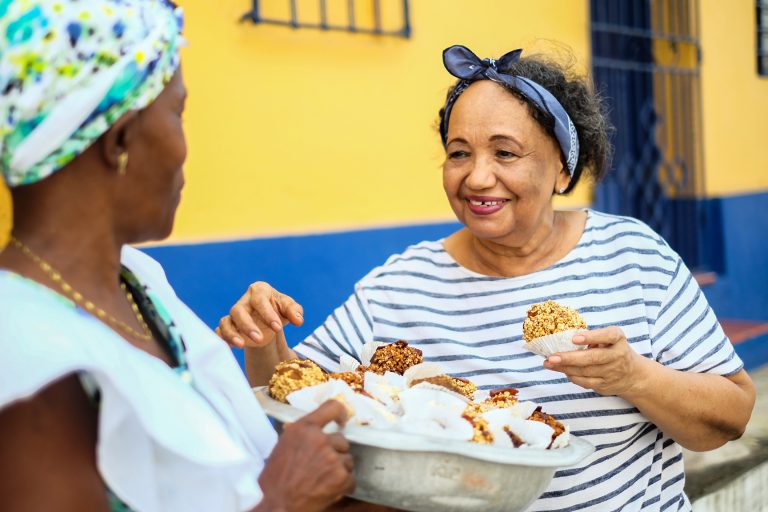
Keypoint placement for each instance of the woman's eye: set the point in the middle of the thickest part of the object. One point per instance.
(457, 154)
(505, 154)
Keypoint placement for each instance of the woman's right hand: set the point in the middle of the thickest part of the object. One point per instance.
(258, 316)
(308, 470)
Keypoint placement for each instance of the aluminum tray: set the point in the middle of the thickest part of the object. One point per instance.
(424, 474)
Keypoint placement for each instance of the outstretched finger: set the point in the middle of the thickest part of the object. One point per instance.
(290, 309)
(227, 331)
(243, 321)
(604, 336)
(577, 358)
(264, 311)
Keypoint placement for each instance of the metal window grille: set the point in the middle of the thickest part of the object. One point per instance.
(389, 18)
(762, 37)
(646, 57)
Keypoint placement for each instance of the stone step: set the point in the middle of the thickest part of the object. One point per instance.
(733, 478)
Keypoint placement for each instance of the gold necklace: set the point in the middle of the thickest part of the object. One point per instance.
(87, 304)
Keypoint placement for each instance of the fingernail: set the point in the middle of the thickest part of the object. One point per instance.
(298, 314)
(238, 341)
(579, 338)
(554, 360)
(276, 326)
(255, 336)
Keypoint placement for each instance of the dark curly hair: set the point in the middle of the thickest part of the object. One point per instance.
(585, 107)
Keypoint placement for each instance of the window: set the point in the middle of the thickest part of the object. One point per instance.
(388, 17)
(762, 37)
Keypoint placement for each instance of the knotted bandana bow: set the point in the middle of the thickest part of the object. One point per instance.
(465, 65)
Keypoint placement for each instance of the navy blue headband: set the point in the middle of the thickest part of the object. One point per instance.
(465, 65)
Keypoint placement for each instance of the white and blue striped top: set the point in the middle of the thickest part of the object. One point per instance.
(620, 273)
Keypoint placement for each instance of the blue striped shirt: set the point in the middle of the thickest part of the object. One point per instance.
(620, 273)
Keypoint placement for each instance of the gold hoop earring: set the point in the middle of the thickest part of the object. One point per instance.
(122, 163)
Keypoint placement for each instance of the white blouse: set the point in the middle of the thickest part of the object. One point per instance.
(163, 444)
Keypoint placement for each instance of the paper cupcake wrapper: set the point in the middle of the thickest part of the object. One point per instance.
(545, 346)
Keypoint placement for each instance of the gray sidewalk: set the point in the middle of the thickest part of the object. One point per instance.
(734, 477)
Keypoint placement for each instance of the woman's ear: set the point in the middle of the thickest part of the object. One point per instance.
(562, 181)
(116, 141)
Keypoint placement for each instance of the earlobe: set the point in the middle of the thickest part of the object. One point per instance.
(563, 180)
(116, 141)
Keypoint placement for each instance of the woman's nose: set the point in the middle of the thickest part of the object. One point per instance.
(481, 175)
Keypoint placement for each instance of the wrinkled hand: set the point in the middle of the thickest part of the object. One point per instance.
(609, 366)
(258, 316)
(308, 470)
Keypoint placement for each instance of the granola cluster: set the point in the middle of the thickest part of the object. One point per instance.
(460, 386)
(395, 357)
(550, 317)
(293, 375)
(354, 379)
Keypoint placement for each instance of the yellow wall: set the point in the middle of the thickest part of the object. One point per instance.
(734, 99)
(303, 131)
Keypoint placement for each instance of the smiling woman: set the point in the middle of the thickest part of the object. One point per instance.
(517, 132)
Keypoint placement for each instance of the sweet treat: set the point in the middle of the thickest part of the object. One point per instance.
(481, 430)
(292, 375)
(550, 317)
(550, 327)
(395, 357)
(547, 419)
(465, 387)
(354, 379)
(460, 386)
(502, 398)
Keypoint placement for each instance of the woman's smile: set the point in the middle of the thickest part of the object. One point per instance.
(485, 205)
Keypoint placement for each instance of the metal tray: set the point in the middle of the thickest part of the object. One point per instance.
(423, 474)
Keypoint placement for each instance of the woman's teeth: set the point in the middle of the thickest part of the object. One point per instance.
(485, 203)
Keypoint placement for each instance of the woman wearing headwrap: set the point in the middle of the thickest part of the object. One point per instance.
(659, 372)
(113, 394)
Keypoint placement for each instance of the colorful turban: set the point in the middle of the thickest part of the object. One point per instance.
(70, 68)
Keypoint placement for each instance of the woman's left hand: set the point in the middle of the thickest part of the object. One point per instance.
(609, 366)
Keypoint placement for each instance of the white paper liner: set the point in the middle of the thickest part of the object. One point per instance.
(545, 346)
(348, 363)
(534, 434)
(309, 398)
(362, 410)
(366, 354)
(385, 388)
(481, 395)
(440, 423)
(441, 389)
(563, 439)
(422, 371)
(522, 410)
(420, 401)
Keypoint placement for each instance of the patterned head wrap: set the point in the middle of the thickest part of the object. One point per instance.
(70, 68)
(465, 65)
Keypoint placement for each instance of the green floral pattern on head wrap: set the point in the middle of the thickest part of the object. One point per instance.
(70, 68)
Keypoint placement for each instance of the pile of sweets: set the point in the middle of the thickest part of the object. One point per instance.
(392, 388)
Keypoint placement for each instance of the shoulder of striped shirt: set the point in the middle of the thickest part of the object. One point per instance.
(602, 225)
(422, 251)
